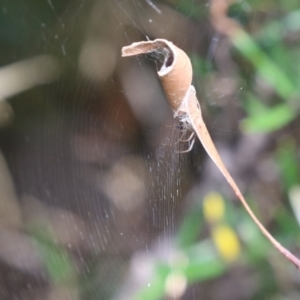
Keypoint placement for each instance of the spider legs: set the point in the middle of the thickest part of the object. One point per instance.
(190, 140)
(191, 137)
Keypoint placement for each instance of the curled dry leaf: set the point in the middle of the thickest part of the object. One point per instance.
(176, 77)
(176, 72)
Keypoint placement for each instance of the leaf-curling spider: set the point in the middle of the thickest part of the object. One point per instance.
(185, 127)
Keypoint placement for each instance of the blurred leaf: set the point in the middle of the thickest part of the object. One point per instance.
(294, 197)
(292, 21)
(288, 227)
(204, 270)
(270, 34)
(56, 259)
(156, 288)
(265, 67)
(253, 105)
(201, 67)
(192, 9)
(256, 244)
(240, 12)
(286, 158)
(268, 120)
(190, 227)
(202, 263)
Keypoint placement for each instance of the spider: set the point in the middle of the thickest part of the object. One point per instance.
(185, 127)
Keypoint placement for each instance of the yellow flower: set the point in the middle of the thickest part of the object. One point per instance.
(213, 207)
(226, 242)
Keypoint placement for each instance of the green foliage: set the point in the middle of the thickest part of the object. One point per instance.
(262, 119)
(265, 67)
(278, 66)
(190, 228)
(58, 263)
(288, 164)
(201, 261)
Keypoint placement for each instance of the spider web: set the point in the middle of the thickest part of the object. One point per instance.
(99, 187)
